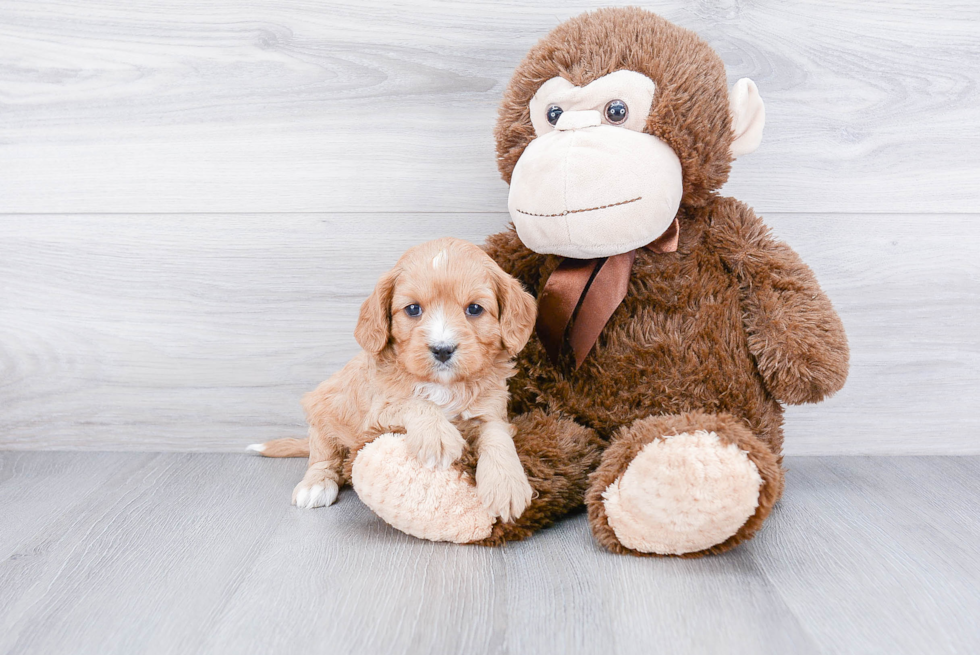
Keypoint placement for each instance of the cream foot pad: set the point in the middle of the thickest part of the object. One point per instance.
(682, 494)
(428, 504)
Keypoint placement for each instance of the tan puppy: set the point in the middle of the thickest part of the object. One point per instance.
(439, 334)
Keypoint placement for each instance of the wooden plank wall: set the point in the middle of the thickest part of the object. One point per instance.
(195, 197)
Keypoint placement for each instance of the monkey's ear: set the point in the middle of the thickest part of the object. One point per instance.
(374, 323)
(518, 312)
(748, 117)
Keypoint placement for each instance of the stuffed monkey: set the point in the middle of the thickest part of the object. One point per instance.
(672, 326)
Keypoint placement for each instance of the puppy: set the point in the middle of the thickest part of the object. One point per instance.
(439, 334)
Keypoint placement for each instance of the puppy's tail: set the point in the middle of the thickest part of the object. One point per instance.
(282, 448)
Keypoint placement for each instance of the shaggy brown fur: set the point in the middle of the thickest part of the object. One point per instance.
(711, 337)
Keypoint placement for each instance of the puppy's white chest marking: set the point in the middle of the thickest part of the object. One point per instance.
(448, 400)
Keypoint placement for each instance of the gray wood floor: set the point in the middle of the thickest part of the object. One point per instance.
(187, 553)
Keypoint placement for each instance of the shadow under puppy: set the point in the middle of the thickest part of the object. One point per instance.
(439, 333)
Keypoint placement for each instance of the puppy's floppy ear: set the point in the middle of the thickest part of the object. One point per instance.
(374, 323)
(518, 311)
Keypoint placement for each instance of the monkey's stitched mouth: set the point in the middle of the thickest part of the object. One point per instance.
(579, 211)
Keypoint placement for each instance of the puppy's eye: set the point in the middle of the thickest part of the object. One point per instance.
(413, 310)
(554, 113)
(474, 310)
(616, 112)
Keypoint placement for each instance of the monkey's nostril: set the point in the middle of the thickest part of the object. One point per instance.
(442, 352)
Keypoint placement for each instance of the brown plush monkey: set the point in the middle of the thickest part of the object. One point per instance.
(672, 326)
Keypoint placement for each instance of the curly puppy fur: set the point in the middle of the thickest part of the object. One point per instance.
(425, 373)
(714, 336)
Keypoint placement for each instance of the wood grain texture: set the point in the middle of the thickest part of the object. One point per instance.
(202, 332)
(194, 553)
(897, 537)
(287, 105)
(56, 484)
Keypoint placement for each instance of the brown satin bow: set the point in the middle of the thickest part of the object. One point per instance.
(584, 293)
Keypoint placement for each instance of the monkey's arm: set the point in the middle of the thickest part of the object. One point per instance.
(794, 333)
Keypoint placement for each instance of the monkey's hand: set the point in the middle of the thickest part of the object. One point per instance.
(795, 335)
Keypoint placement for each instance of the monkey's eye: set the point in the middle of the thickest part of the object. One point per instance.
(474, 310)
(616, 112)
(554, 113)
(413, 310)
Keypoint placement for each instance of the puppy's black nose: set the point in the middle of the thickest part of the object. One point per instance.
(442, 353)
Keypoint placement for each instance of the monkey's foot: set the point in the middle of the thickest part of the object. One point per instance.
(682, 494)
(687, 485)
(438, 505)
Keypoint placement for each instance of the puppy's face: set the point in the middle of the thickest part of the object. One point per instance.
(447, 311)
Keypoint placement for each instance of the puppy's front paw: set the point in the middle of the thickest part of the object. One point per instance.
(316, 490)
(503, 487)
(439, 445)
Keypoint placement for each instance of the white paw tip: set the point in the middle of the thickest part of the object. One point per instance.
(317, 495)
(255, 448)
(300, 498)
